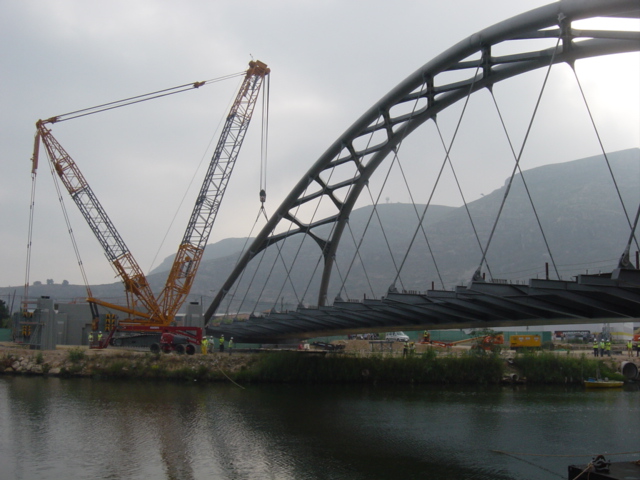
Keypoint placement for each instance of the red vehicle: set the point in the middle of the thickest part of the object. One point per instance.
(158, 339)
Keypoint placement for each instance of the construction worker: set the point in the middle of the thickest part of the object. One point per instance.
(90, 336)
(99, 339)
(203, 345)
(595, 347)
(412, 349)
(426, 336)
(405, 349)
(230, 345)
(601, 347)
(630, 348)
(607, 347)
(221, 345)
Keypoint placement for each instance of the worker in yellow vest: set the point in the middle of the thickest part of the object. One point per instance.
(221, 341)
(595, 347)
(99, 339)
(90, 337)
(601, 345)
(630, 348)
(203, 345)
(607, 347)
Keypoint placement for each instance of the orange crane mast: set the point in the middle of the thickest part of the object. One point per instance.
(143, 308)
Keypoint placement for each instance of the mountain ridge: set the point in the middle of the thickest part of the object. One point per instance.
(578, 207)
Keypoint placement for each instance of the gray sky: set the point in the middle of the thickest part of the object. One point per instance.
(330, 62)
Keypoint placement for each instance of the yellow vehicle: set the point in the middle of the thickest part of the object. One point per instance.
(525, 341)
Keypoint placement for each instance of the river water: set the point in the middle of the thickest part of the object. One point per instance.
(55, 428)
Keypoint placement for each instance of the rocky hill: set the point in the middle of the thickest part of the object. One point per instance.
(576, 202)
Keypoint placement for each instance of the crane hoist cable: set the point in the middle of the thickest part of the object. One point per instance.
(264, 143)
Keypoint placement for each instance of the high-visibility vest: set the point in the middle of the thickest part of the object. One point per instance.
(607, 346)
(221, 340)
(595, 344)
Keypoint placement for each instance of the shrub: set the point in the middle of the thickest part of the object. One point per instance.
(76, 355)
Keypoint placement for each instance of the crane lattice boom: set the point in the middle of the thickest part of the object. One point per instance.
(204, 212)
(161, 311)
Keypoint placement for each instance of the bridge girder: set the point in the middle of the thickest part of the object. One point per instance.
(600, 298)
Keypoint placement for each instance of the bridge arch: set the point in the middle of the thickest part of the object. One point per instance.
(419, 98)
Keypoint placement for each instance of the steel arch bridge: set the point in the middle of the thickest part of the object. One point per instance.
(379, 132)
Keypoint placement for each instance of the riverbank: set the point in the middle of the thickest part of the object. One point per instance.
(429, 366)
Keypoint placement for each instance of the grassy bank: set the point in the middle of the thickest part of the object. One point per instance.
(292, 368)
(550, 368)
(465, 368)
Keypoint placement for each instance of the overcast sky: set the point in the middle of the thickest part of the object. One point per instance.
(330, 61)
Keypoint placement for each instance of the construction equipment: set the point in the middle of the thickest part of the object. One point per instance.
(517, 342)
(489, 342)
(149, 316)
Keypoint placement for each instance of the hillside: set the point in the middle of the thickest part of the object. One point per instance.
(578, 207)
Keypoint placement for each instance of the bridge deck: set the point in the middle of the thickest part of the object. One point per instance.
(587, 299)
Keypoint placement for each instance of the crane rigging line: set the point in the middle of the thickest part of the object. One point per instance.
(29, 239)
(137, 99)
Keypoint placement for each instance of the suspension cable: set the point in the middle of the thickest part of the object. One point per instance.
(445, 161)
(358, 245)
(604, 153)
(476, 275)
(526, 187)
(232, 295)
(237, 283)
(421, 224)
(624, 260)
(374, 211)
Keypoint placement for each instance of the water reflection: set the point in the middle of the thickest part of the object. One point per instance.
(131, 430)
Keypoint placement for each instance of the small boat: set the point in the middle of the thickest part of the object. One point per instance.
(606, 383)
